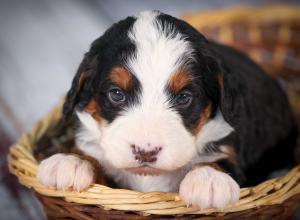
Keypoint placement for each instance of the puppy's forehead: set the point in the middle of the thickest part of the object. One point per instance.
(161, 49)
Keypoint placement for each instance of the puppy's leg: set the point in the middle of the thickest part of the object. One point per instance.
(208, 185)
(66, 171)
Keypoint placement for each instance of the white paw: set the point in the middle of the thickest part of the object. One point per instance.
(65, 171)
(206, 187)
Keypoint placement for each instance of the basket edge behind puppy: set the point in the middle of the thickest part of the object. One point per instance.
(163, 109)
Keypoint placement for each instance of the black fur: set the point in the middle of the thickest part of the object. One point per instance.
(106, 52)
(250, 101)
(265, 133)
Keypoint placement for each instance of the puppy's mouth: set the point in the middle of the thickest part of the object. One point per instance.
(146, 170)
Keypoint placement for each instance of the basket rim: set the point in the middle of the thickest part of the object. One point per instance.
(22, 164)
(267, 12)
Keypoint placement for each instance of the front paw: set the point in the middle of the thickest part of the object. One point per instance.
(206, 187)
(65, 171)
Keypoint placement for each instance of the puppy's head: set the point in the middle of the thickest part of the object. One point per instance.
(147, 94)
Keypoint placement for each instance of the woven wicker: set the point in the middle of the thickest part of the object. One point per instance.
(273, 199)
(270, 35)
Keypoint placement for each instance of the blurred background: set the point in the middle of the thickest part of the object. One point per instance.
(43, 41)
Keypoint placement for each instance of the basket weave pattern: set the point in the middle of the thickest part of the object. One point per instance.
(269, 35)
(276, 197)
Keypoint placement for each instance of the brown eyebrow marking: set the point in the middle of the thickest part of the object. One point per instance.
(179, 80)
(204, 117)
(93, 109)
(122, 77)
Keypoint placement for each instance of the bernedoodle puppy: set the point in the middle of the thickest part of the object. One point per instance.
(161, 108)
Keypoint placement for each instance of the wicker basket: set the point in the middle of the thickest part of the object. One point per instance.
(273, 199)
(269, 34)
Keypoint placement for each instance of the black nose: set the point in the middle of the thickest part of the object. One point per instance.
(143, 156)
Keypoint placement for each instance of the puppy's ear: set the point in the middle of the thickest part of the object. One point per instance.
(78, 83)
(229, 97)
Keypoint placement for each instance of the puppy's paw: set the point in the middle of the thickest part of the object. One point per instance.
(65, 171)
(206, 187)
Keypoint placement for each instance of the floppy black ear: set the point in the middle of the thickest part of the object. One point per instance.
(78, 83)
(229, 97)
(225, 83)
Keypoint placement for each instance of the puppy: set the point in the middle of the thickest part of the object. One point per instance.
(161, 108)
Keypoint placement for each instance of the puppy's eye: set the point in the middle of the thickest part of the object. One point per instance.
(183, 99)
(116, 96)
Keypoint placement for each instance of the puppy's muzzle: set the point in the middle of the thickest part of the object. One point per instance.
(145, 156)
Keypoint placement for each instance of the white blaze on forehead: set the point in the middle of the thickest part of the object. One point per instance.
(160, 51)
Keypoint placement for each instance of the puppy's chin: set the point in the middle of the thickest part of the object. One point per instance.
(145, 170)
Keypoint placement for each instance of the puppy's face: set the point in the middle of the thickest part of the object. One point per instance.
(147, 95)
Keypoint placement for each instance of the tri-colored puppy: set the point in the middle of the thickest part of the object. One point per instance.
(163, 109)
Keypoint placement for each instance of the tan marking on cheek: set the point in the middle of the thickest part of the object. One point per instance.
(179, 80)
(204, 117)
(93, 109)
(121, 77)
